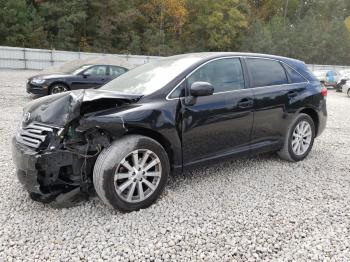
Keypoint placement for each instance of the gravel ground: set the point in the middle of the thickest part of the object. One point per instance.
(246, 210)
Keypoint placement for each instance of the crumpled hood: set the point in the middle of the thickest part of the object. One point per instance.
(60, 109)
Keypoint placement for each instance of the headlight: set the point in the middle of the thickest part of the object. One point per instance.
(25, 120)
(38, 81)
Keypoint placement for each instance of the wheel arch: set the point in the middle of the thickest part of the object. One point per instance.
(122, 125)
(162, 140)
(314, 116)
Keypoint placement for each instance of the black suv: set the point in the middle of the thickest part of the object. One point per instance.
(123, 140)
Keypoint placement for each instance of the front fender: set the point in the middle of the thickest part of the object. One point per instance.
(157, 124)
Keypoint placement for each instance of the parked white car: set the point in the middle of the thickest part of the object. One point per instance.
(345, 77)
(346, 88)
(344, 73)
(343, 80)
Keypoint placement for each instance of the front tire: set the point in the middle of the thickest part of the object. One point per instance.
(58, 88)
(299, 139)
(131, 173)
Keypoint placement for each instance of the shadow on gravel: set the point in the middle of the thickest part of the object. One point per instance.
(214, 170)
(33, 97)
(175, 182)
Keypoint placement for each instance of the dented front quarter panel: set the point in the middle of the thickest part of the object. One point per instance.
(148, 118)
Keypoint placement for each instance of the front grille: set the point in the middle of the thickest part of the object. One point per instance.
(35, 135)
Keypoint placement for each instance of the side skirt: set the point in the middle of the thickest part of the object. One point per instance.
(240, 152)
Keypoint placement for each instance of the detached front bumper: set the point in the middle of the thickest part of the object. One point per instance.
(25, 161)
(46, 174)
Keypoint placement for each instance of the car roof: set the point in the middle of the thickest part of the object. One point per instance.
(204, 56)
(211, 55)
(299, 65)
(100, 64)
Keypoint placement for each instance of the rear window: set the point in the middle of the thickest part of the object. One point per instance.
(294, 76)
(116, 70)
(265, 72)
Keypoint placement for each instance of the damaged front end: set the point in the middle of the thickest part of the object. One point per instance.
(54, 150)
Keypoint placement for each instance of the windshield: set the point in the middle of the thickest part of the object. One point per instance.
(148, 78)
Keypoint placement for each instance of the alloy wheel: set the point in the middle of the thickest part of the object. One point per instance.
(301, 138)
(137, 175)
(58, 89)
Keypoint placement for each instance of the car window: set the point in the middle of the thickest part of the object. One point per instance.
(294, 76)
(224, 74)
(97, 70)
(265, 72)
(116, 70)
(179, 91)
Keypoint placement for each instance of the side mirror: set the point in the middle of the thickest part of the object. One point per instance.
(85, 75)
(201, 89)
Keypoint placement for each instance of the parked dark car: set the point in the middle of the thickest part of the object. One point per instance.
(124, 139)
(86, 76)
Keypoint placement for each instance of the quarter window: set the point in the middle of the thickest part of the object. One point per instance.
(116, 70)
(179, 91)
(224, 74)
(294, 76)
(265, 72)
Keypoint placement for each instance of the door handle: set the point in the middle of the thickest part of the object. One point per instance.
(292, 94)
(246, 103)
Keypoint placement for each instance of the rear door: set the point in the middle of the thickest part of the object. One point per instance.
(218, 125)
(276, 88)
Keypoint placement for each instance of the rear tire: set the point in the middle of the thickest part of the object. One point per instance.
(299, 139)
(131, 173)
(349, 92)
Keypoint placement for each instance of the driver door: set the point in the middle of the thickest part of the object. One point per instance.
(218, 125)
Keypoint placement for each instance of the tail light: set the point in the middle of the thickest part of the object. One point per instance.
(324, 91)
